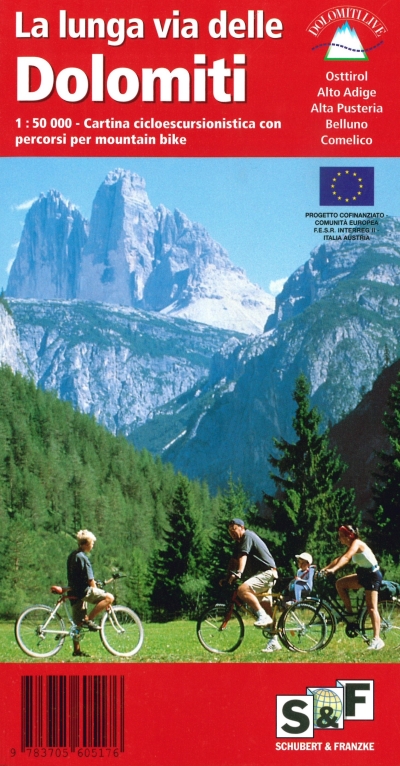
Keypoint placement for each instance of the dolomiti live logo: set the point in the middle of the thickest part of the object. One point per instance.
(341, 31)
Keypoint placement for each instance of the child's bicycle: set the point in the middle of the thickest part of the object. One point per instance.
(296, 628)
(40, 630)
(220, 628)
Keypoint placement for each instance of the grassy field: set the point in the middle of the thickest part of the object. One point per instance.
(177, 642)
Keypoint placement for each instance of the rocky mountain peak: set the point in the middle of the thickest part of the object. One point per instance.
(118, 257)
(53, 199)
(49, 253)
(329, 263)
(133, 255)
(127, 185)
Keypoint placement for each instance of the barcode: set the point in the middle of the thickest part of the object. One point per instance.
(72, 711)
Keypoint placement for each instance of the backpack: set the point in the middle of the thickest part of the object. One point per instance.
(388, 590)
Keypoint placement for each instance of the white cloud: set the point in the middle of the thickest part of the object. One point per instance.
(276, 285)
(25, 205)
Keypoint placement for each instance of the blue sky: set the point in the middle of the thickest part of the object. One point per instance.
(254, 207)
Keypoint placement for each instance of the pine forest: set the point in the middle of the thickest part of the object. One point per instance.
(61, 472)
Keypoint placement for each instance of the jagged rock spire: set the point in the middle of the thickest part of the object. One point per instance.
(133, 255)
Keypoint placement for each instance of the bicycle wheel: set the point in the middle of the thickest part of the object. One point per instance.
(328, 615)
(38, 634)
(302, 628)
(121, 631)
(390, 623)
(218, 632)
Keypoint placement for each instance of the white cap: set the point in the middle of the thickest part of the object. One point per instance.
(305, 556)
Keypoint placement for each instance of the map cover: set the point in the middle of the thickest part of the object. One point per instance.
(199, 325)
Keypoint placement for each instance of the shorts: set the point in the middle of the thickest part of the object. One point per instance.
(262, 582)
(92, 596)
(368, 579)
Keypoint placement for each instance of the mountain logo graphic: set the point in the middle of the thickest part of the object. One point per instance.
(346, 45)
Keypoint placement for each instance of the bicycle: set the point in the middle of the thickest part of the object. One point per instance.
(333, 612)
(220, 628)
(40, 630)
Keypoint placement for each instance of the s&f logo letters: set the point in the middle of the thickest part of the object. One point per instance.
(324, 707)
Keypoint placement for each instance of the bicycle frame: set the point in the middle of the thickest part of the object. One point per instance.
(229, 607)
(64, 599)
(74, 630)
(114, 620)
(352, 621)
(236, 602)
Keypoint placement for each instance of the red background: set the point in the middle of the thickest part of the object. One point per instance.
(214, 714)
(221, 715)
(283, 77)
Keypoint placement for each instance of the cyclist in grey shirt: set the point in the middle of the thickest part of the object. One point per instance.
(252, 563)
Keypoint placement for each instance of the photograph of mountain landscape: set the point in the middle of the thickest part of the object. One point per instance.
(139, 317)
(178, 331)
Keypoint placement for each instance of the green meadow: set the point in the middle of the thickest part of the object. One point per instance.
(177, 642)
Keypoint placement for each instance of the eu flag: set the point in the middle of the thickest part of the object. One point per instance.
(346, 187)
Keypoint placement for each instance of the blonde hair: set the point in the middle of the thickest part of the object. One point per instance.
(84, 536)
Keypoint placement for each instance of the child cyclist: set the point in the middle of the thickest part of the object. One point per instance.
(368, 576)
(300, 585)
(83, 588)
(303, 582)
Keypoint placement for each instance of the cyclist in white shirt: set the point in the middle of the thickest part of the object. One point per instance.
(368, 576)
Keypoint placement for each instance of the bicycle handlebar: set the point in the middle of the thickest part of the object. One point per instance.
(116, 576)
(323, 574)
(60, 590)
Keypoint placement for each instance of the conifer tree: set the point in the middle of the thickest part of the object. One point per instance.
(308, 506)
(139, 583)
(61, 471)
(179, 564)
(386, 524)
